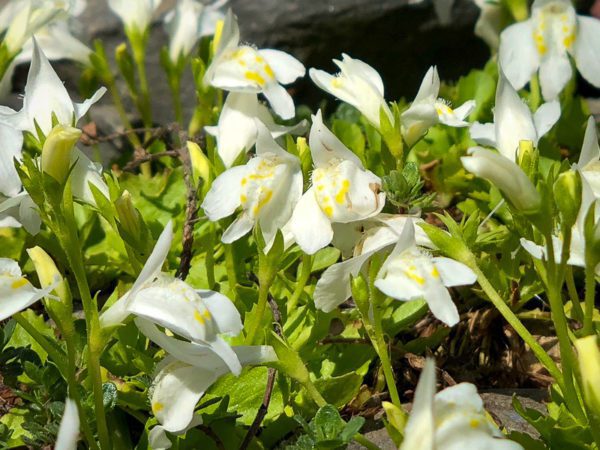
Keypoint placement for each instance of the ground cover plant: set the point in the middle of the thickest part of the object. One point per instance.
(263, 275)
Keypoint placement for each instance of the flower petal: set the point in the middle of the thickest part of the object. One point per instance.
(325, 146)
(12, 143)
(454, 273)
(223, 198)
(419, 433)
(587, 49)
(280, 100)
(483, 133)
(430, 86)
(517, 55)
(68, 431)
(240, 227)
(555, 73)
(590, 150)
(158, 439)
(84, 173)
(333, 287)
(287, 68)
(223, 312)
(309, 224)
(513, 120)
(546, 116)
(82, 108)
(440, 303)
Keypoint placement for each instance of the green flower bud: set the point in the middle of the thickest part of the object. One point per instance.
(129, 217)
(56, 153)
(567, 196)
(528, 158)
(47, 272)
(589, 365)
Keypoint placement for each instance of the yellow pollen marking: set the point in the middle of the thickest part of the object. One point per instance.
(263, 201)
(269, 71)
(342, 192)
(568, 40)
(198, 317)
(206, 314)
(259, 59)
(336, 83)
(244, 181)
(17, 284)
(157, 407)
(328, 210)
(254, 76)
(416, 278)
(435, 273)
(259, 176)
(243, 198)
(320, 187)
(474, 423)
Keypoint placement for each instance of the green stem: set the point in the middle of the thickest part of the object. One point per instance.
(590, 290)
(139, 56)
(261, 307)
(231, 272)
(365, 442)
(303, 278)
(560, 324)
(209, 261)
(175, 87)
(572, 289)
(517, 325)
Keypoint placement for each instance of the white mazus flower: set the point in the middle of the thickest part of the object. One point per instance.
(452, 419)
(46, 95)
(188, 22)
(342, 191)
(236, 130)
(358, 84)
(267, 188)
(333, 287)
(68, 431)
(505, 175)
(135, 14)
(243, 68)
(16, 292)
(185, 375)
(428, 110)
(514, 122)
(198, 315)
(545, 42)
(589, 159)
(410, 273)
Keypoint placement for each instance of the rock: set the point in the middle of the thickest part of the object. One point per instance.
(400, 38)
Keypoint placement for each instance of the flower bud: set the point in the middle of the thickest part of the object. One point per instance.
(506, 176)
(567, 196)
(528, 158)
(47, 272)
(200, 163)
(56, 152)
(589, 365)
(129, 217)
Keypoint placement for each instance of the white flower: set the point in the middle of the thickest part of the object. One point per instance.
(333, 287)
(236, 130)
(188, 22)
(16, 292)
(197, 315)
(410, 273)
(357, 84)
(545, 42)
(513, 121)
(505, 175)
(46, 95)
(342, 191)
(490, 22)
(428, 110)
(453, 419)
(68, 431)
(589, 159)
(267, 188)
(242, 68)
(135, 14)
(189, 370)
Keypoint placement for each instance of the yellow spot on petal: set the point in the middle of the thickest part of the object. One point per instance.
(341, 195)
(254, 76)
(199, 318)
(435, 273)
(18, 283)
(416, 278)
(474, 423)
(320, 187)
(266, 198)
(243, 198)
(206, 314)
(568, 41)
(328, 210)
(337, 83)
(157, 407)
(269, 71)
(244, 181)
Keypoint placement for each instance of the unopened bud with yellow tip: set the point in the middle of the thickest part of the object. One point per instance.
(47, 272)
(129, 217)
(589, 365)
(56, 152)
(200, 163)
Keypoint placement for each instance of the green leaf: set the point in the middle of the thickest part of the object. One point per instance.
(20, 337)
